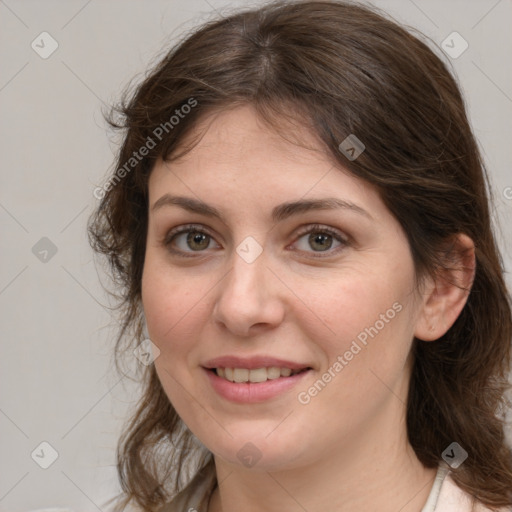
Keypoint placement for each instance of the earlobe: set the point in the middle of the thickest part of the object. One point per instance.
(446, 293)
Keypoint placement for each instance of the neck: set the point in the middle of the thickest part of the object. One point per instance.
(376, 469)
(377, 487)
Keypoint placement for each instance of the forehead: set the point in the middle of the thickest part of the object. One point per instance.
(238, 132)
(237, 157)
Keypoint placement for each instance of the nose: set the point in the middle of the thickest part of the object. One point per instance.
(249, 298)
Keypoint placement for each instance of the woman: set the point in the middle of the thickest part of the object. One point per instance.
(300, 227)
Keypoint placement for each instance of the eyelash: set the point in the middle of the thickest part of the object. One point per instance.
(314, 228)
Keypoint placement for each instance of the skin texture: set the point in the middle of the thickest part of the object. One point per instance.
(347, 448)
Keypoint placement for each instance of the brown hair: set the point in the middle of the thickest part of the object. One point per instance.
(341, 69)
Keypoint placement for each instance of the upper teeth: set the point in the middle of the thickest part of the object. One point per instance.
(254, 375)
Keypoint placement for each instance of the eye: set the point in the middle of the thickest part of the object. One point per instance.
(196, 240)
(192, 239)
(321, 239)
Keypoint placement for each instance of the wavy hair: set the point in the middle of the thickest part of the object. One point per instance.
(339, 68)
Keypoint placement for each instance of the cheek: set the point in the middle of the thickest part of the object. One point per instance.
(369, 316)
(172, 306)
(350, 303)
(365, 358)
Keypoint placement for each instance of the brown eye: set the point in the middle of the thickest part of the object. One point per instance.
(197, 241)
(186, 240)
(321, 239)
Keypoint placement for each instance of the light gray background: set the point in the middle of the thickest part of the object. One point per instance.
(57, 384)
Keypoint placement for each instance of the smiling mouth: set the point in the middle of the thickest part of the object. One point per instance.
(256, 375)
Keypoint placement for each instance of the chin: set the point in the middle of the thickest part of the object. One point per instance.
(256, 452)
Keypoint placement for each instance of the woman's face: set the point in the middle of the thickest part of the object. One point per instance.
(276, 283)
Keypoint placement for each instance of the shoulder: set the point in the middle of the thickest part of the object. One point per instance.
(454, 499)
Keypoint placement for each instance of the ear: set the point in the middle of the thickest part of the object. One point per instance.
(445, 294)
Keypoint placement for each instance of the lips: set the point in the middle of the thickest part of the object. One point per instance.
(247, 392)
(257, 370)
(247, 385)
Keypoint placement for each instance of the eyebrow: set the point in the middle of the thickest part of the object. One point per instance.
(279, 213)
